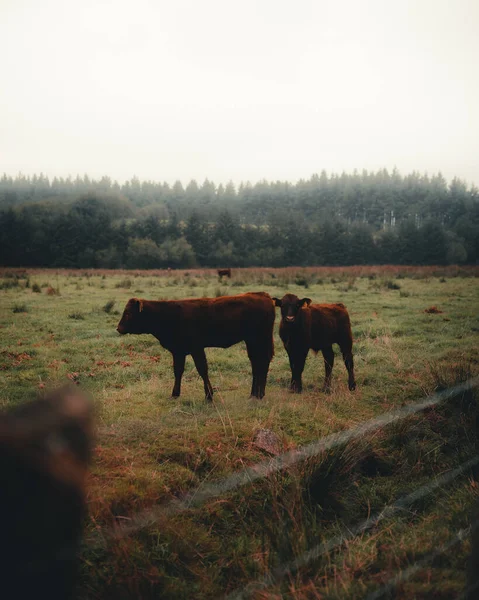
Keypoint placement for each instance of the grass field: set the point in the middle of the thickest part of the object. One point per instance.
(151, 449)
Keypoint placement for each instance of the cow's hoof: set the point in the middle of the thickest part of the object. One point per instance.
(326, 390)
(352, 387)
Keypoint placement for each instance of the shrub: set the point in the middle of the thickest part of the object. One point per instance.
(108, 306)
(36, 289)
(8, 284)
(391, 285)
(124, 283)
(51, 291)
(78, 316)
(302, 280)
(19, 308)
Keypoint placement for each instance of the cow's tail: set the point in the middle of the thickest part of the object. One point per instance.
(272, 333)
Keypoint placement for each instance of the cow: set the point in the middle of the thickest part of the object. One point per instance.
(224, 273)
(189, 326)
(316, 326)
(45, 448)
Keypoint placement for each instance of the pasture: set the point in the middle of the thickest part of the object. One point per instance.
(58, 325)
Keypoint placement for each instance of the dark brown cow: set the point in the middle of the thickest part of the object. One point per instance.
(189, 326)
(224, 273)
(45, 448)
(316, 326)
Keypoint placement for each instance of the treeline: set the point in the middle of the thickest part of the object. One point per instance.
(368, 218)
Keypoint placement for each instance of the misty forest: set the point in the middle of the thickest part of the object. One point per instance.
(347, 219)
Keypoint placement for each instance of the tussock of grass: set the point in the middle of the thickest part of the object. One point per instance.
(124, 283)
(8, 284)
(108, 307)
(76, 316)
(19, 308)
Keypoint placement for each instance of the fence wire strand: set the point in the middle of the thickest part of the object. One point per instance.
(403, 576)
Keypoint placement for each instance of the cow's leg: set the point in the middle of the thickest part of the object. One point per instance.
(347, 352)
(291, 366)
(254, 368)
(260, 374)
(263, 376)
(260, 359)
(328, 355)
(297, 361)
(178, 369)
(201, 363)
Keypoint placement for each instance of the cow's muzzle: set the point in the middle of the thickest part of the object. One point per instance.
(290, 319)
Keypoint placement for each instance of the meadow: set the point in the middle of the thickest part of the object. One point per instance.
(415, 331)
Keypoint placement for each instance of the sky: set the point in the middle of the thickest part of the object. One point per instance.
(238, 90)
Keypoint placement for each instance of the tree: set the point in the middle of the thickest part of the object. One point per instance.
(433, 244)
(196, 235)
(226, 229)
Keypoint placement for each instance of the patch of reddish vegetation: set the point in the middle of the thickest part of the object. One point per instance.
(352, 271)
(16, 359)
(56, 364)
(111, 363)
(433, 310)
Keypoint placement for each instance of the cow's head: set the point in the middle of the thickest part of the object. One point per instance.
(290, 306)
(132, 320)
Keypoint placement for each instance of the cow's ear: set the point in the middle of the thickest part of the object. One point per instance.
(277, 302)
(137, 304)
(304, 301)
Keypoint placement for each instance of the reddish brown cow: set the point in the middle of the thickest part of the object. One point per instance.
(316, 326)
(224, 273)
(189, 326)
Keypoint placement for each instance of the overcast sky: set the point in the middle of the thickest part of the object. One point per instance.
(241, 90)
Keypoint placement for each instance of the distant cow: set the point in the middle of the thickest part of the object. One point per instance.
(45, 448)
(224, 273)
(189, 326)
(316, 326)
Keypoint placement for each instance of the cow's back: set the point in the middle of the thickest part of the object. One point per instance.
(330, 324)
(218, 322)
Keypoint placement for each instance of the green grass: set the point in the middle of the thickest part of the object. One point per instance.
(152, 449)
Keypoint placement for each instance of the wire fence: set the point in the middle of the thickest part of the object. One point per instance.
(207, 492)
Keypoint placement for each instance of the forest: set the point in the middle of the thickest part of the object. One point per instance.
(348, 219)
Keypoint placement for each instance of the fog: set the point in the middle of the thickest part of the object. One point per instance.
(243, 91)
